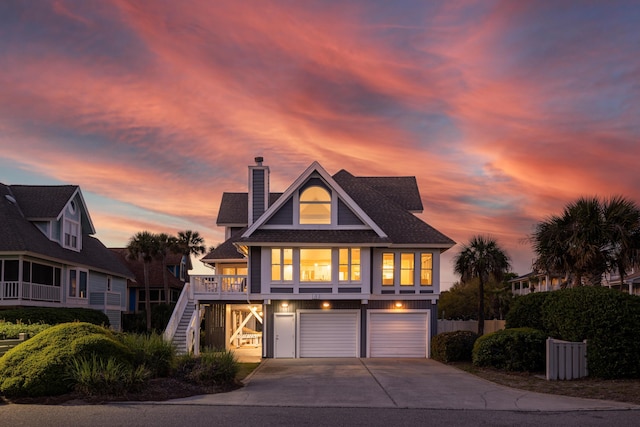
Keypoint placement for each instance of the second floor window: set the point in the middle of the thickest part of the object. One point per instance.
(407, 269)
(349, 265)
(426, 269)
(281, 264)
(315, 206)
(71, 235)
(315, 265)
(388, 267)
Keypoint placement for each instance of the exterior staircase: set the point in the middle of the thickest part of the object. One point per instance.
(180, 337)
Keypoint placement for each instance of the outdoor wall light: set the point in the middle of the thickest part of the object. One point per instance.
(284, 305)
(326, 305)
(398, 305)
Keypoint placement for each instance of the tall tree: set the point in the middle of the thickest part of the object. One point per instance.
(190, 243)
(143, 246)
(481, 258)
(165, 244)
(590, 237)
(622, 219)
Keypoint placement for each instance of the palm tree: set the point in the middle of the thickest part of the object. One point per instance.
(481, 258)
(166, 244)
(622, 227)
(143, 246)
(190, 243)
(590, 237)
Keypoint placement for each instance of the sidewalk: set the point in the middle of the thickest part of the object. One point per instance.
(385, 383)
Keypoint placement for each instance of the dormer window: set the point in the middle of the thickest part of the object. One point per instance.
(71, 235)
(315, 206)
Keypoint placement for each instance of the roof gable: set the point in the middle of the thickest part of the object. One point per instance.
(314, 168)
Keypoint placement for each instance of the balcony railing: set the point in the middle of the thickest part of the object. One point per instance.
(219, 284)
(29, 291)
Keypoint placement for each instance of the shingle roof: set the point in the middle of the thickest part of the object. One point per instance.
(388, 201)
(234, 208)
(403, 190)
(17, 234)
(42, 201)
(156, 279)
(225, 250)
(400, 225)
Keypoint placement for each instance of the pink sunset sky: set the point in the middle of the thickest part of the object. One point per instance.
(504, 111)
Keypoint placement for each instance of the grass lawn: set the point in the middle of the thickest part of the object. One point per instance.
(245, 370)
(592, 388)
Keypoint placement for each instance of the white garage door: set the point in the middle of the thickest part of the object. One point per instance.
(328, 334)
(398, 334)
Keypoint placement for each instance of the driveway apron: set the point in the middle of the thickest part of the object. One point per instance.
(385, 383)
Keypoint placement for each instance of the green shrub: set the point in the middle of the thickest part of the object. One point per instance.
(216, 368)
(519, 349)
(453, 346)
(54, 316)
(151, 351)
(96, 376)
(526, 311)
(10, 330)
(38, 366)
(608, 319)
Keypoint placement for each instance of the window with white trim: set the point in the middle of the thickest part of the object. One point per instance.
(407, 269)
(315, 265)
(281, 264)
(71, 239)
(78, 283)
(315, 206)
(388, 269)
(349, 269)
(426, 269)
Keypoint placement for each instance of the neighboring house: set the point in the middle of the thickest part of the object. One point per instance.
(48, 257)
(177, 269)
(336, 266)
(538, 282)
(535, 282)
(631, 281)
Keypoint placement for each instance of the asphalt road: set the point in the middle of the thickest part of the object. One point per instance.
(193, 415)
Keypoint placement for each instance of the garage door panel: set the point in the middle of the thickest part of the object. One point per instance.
(328, 334)
(398, 334)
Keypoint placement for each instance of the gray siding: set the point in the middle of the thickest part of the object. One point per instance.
(256, 277)
(284, 216)
(258, 189)
(346, 216)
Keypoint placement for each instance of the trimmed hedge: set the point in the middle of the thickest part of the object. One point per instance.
(39, 366)
(54, 316)
(10, 330)
(519, 349)
(453, 346)
(608, 319)
(526, 311)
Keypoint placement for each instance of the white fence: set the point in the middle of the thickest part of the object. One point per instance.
(566, 360)
(469, 325)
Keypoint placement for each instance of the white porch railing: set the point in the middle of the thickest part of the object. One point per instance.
(29, 291)
(566, 360)
(174, 321)
(193, 333)
(219, 284)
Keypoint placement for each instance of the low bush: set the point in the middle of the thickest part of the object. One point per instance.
(151, 351)
(54, 316)
(453, 346)
(10, 330)
(38, 366)
(526, 311)
(608, 319)
(96, 376)
(519, 349)
(216, 368)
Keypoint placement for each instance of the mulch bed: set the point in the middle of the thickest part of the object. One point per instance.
(157, 390)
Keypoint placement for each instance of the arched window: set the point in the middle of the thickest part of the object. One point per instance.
(315, 206)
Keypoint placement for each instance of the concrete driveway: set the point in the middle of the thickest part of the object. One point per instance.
(385, 383)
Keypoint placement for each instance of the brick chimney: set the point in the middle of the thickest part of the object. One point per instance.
(258, 189)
